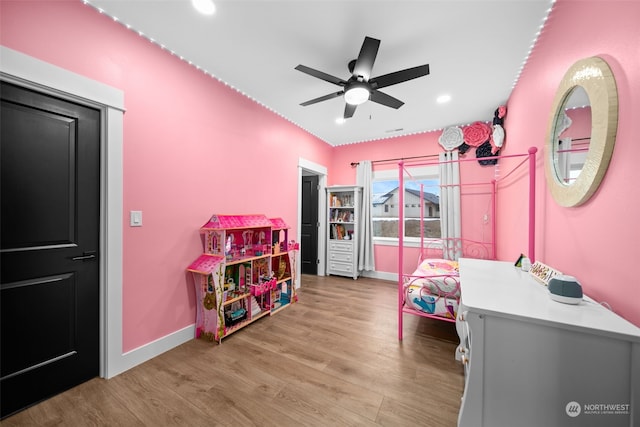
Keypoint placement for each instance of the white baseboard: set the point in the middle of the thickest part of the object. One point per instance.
(383, 275)
(155, 348)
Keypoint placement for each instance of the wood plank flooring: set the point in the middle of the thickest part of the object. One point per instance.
(333, 359)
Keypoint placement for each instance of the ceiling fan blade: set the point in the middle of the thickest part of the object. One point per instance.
(384, 99)
(366, 58)
(322, 98)
(399, 76)
(349, 109)
(321, 75)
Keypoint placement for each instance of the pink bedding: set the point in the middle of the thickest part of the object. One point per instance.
(417, 298)
(439, 277)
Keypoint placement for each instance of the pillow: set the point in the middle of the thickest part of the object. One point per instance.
(436, 267)
(438, 277)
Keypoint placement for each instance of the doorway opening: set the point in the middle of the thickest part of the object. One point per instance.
(311, 217)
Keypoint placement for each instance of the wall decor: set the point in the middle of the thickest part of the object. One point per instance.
(486, 138)
(575, 167)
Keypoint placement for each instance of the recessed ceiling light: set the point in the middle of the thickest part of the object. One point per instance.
(340, 120)
(443, 98)
(206, 7)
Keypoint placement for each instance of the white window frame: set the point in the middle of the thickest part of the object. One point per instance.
(417, 172)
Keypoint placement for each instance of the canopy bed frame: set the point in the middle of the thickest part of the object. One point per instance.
(433, 289)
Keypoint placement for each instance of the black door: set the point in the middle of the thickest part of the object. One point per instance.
(309, 225)
(49, 279)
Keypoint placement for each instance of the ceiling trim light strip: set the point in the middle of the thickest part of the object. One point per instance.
(183, 59)
(533, 43)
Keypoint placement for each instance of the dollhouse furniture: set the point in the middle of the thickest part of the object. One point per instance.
(532, 361)
(433, 289)
(246, 272)
(343, 216)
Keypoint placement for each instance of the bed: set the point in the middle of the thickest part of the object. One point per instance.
(432, 288)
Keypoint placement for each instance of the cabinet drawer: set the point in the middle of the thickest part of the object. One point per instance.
(341, 246)
(341, 256)
(340, 267)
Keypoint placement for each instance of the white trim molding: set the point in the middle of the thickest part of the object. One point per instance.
(24, 70)
(33, 73)
(382, 275)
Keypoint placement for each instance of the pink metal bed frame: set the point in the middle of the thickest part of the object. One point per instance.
(530, 158)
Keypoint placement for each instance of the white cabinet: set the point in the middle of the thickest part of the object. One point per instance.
(532, 361)
(343, 216)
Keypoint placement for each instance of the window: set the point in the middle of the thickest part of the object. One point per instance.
(385, 201)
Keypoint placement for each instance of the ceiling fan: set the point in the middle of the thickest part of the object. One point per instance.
(361, 87)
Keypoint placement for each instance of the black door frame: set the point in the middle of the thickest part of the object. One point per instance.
(310, 224)
(56, 261)
(310, 168)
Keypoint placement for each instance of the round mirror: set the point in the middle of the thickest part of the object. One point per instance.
(582, 131)
(572, 136)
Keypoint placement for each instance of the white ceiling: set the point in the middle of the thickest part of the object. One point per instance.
(475, 50)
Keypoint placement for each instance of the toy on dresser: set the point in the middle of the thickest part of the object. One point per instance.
(562, 288)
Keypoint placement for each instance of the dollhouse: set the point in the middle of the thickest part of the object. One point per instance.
(245, 273)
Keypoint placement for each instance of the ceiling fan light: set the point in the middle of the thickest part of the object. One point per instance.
(206, 7)
(356, 95)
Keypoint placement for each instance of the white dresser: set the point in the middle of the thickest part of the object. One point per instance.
(532, 361)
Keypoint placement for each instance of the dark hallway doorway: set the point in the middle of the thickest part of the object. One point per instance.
(309, 225)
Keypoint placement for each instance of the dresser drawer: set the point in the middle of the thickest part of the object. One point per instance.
(340, 267)
(341, 246)
(341, 256)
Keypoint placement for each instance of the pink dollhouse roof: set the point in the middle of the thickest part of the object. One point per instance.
(218, 222)
(278, 223)
(205, 264)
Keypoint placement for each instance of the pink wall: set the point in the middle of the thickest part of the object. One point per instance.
(192, 147)
(596, 241)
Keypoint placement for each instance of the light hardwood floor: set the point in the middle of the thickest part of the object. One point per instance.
(333, 359)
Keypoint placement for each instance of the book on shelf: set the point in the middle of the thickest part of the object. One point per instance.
(338, 231)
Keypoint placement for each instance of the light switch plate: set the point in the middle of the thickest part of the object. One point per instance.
(135, 218)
